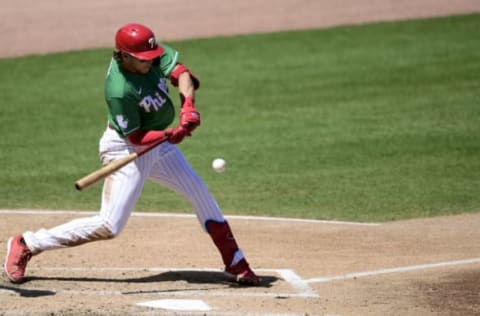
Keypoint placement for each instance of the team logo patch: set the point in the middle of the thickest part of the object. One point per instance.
(122, 122)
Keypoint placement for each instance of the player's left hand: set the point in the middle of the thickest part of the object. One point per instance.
(189, 115)
(176, 134)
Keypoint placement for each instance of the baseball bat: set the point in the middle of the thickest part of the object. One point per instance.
(107, 170)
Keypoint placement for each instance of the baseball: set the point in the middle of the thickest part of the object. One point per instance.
(219, 165)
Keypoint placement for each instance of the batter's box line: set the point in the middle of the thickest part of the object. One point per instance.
(351, 276)
(301, 287)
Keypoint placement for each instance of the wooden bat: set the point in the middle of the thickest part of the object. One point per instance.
(103, 172)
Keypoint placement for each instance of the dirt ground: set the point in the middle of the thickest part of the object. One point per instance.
(36, 27)
(417, 267)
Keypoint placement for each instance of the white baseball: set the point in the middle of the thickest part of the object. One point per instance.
(219, 165)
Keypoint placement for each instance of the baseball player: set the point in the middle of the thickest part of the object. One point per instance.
(140, 112)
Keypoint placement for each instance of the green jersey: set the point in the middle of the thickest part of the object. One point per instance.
(140, 101)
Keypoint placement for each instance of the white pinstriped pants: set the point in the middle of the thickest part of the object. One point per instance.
(164, 164)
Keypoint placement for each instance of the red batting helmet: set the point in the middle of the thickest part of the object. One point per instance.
(138, 41)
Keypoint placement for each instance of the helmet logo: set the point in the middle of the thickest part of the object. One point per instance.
(152, 42)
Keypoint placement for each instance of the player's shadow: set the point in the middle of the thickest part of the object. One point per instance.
(192, 277)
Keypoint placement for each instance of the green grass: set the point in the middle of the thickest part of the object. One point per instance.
(368, 123)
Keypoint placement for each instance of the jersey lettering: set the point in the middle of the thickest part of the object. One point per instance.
(157, 101)
(149, 102)
(162, 85)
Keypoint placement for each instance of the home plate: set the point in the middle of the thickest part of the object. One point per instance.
(177, 305)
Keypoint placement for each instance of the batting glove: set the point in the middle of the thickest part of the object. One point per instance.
(189, 115)
(177, 134)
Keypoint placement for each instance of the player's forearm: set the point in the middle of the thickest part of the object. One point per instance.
(185, 86)
(145, 137)
(186, 82)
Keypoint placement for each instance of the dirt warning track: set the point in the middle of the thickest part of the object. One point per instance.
(39, 27)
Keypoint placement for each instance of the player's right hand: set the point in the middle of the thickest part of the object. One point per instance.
(189, 115)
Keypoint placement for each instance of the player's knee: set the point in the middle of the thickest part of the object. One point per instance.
(109, 227)
(106, 230)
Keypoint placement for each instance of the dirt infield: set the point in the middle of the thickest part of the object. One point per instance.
(417, 267)
(420, 267)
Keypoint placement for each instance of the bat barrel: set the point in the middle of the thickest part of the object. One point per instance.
(87, 181)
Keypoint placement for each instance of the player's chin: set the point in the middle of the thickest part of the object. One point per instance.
(144, 67)
(143, 70)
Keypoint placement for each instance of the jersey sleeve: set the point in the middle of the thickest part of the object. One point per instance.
(168, 60)
(122, 117)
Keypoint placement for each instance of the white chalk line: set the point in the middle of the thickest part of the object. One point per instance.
(297, 283)
(288, 275)
(300, 285)
(393, 270)
(177, 215)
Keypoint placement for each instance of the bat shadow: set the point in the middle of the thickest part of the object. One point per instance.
(26, 292)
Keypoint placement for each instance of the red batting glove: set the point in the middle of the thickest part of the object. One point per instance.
(177, 134)
(189, 115)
